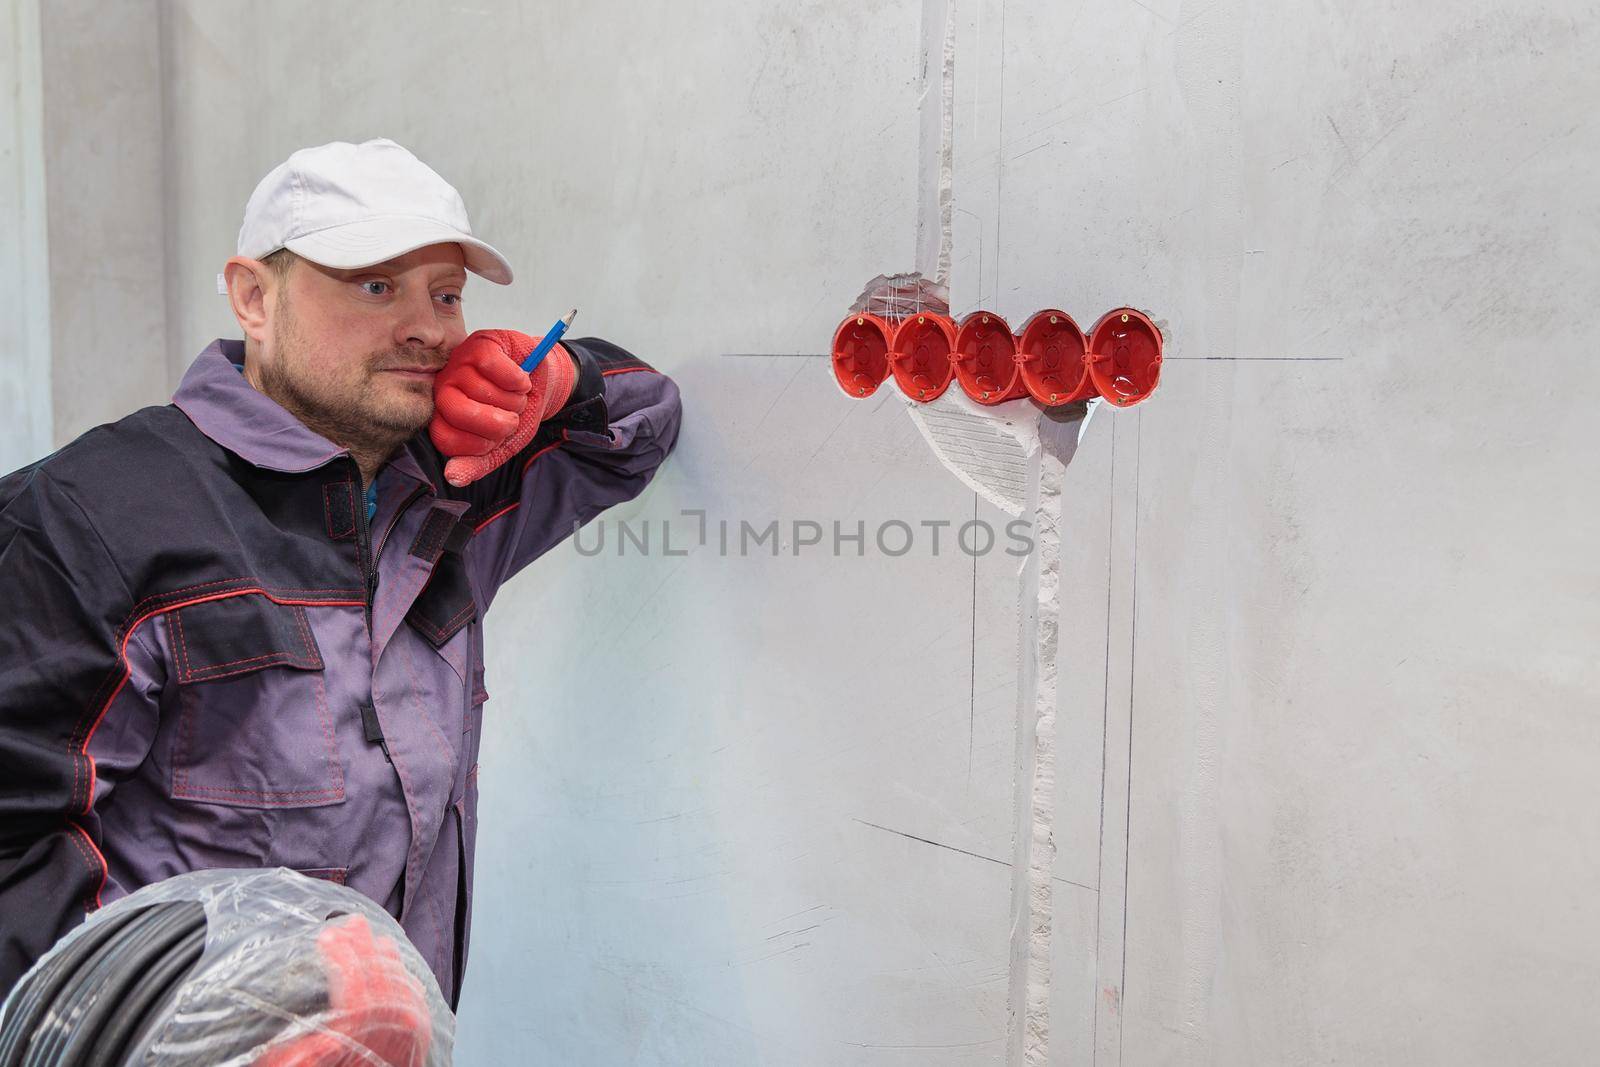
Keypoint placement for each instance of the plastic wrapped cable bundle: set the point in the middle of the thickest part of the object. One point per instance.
(257, 968)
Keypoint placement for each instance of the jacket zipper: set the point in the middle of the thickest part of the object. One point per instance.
(370, 726)
(369, 577)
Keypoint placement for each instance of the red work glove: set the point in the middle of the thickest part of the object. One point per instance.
(486, 407)
(377, 1011)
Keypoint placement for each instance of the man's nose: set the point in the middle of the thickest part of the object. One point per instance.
(419, 325)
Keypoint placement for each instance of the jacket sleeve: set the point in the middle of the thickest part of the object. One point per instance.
(602, 448)
(63, 604)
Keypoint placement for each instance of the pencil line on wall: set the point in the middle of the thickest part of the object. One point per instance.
(972, 658)
(1133, 653)
(1105, 721)
(1256, 359)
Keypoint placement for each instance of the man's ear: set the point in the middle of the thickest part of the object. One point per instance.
(250, 283)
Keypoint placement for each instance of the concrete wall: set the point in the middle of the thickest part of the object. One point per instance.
(104, 155)
(1325, 729)
(25, 409)
(1347, 715)
(83, 264)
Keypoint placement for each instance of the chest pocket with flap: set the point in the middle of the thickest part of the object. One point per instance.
(253, 727)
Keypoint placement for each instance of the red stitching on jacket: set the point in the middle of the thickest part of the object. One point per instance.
(94, 867)
(398, 606)
(496, 515)
(529, 462)
(627, 370)
(212, 672)
(180, 775)
(438, 632)
(327, 733)
(411, 815)
(457, 617)
(313, 654)
(97, 861)
(154, 598)
(180, 745)
(289, 595)
(261, 794)
(509, 508)
(307, 657)
(83, 730)
(443, 632)
(183, 646)
(127, 670)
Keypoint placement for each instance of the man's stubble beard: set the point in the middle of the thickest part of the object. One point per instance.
(366, 430)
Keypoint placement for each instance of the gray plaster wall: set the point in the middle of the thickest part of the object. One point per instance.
(1348, 714)
(105, 153)
(1327, 719)
(25, 405)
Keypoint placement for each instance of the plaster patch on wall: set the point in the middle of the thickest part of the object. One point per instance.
(1060, 432)
(1013, 455)
(988, 452)
(989, 448)
(936, 154)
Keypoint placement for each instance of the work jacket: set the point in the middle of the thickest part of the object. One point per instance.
(210, 655)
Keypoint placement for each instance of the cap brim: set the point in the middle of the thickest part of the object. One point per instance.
(372, 241)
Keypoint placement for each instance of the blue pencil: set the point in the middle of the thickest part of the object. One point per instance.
(543, 348)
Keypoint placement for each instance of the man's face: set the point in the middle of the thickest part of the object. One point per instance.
(353, 353)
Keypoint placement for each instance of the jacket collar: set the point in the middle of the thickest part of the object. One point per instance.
(233, 413)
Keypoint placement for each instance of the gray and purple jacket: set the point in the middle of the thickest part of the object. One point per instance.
(210, 656)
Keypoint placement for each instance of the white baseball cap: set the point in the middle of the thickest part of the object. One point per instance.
(349, 205)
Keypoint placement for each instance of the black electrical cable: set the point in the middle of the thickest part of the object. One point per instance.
(107, 993)
(169, 927)
(65, 1017)
(84, 1006)
(34, 994)
(146, 1005)
(37, 993)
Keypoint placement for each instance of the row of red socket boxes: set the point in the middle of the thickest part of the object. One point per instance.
(1051, 360)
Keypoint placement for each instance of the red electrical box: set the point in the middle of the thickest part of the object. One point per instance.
(919, 358)
(986, 359)
(1125, 356)
(861, 353)
(1050, 354)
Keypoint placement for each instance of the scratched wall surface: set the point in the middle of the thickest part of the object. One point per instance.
(1325, 735)
(1334, 599)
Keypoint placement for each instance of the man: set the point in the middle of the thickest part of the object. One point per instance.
(244, 629)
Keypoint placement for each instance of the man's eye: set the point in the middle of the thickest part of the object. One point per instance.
(380, 290)
(451, 299)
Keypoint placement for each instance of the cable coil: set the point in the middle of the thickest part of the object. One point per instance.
(267, 968)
